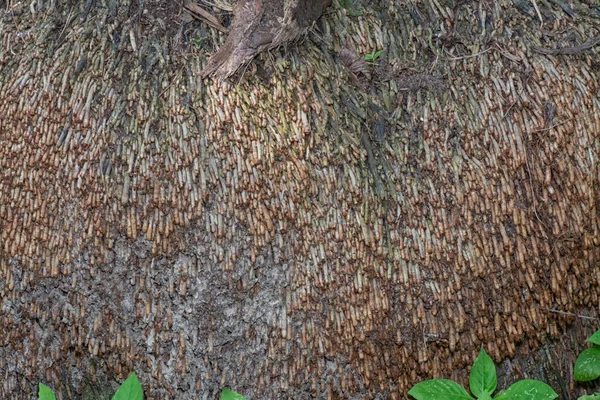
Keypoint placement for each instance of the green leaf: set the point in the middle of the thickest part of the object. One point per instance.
(483, 375)
(130, 389)
(197, 42)
(484, 396)
(437, 389)
(377, 54)
(45, 393)
(595, 338)
(369, 57)
(595, 396)
(227, 394)
(528, 389)
(587, 366)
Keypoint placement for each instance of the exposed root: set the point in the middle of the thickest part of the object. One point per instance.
(260, 25)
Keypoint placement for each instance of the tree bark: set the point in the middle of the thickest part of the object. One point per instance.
(259, 26)
(311, 229)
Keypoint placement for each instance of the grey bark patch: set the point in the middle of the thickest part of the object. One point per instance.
(225, 327)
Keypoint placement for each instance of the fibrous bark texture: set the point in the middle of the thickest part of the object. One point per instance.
(306, 232)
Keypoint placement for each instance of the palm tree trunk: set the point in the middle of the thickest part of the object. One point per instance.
(320, 225)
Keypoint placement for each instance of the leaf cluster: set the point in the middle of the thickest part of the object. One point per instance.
(482, 382)
(131, 389)
(482, 379)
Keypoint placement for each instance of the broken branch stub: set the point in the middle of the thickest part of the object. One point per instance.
(260, 25)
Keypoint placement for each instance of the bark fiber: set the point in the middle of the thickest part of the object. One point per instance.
(309, 229)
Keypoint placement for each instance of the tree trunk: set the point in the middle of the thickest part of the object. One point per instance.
(319, 226)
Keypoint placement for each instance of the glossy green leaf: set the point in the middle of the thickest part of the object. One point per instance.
(483, 375)
(587, 366)
(595, 396)
(595, 338)
(130, 389)
(369, 57)
(45, 393)
(227, 394)
(437, 389)
(528, 389)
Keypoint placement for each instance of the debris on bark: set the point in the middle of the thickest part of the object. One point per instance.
(198, 12)
(355, 64)
(587, 45)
